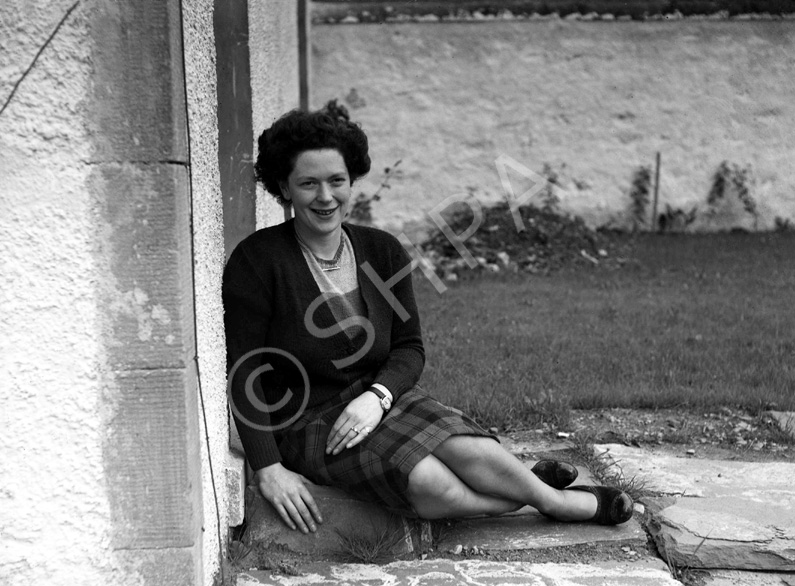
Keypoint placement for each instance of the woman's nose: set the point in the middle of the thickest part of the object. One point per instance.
(324, 192)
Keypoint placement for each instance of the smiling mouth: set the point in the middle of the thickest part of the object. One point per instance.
(324, 213)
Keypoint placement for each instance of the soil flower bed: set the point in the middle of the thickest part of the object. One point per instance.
(549, 241)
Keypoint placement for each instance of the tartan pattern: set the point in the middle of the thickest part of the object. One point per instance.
(378, 468)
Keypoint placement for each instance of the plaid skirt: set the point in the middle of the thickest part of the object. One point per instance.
(377, 469)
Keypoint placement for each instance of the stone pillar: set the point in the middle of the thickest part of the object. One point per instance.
(136, 109)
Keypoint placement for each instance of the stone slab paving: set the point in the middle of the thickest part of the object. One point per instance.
(724, 514)
(484, 573)
(741, 578)
(785, 420)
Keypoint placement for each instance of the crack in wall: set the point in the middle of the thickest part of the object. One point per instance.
(36, 57)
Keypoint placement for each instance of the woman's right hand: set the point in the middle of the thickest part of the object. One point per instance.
(287, 492)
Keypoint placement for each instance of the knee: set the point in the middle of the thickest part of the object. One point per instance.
(426, 479)
(431, 491)
(467, 450)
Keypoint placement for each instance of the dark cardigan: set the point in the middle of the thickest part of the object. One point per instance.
(267, 290)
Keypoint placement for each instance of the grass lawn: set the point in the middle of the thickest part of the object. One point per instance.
(699, 321)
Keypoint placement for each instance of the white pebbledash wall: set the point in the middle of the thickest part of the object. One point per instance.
(594, 100)
(55, 509)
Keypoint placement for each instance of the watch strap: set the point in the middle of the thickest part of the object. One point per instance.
(386, 402)
(378, 392)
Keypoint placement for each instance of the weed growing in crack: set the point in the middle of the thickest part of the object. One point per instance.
(236, 551)
(685, 574)
(368, 547)
(607, 471)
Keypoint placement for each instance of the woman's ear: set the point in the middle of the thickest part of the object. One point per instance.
(284, 190)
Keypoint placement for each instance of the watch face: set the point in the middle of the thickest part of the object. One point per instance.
(386, 403)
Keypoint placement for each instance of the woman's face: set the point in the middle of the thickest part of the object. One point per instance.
(319, 188)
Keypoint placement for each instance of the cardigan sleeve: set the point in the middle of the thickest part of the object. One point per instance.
(406, 359)
(247, 315)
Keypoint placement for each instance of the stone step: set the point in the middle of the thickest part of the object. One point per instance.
(441, 572)
(717, 514)
(528, 529)
(341, 514)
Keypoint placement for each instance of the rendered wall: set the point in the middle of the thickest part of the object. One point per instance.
(100, 435)
(273, 45)
(55, 521)
(600, 98)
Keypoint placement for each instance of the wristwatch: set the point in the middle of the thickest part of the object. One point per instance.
(386, 403)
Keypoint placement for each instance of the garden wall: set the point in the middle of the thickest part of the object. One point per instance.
(591, 100)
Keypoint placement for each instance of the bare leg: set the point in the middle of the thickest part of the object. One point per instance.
(487, 468)
(436, 493)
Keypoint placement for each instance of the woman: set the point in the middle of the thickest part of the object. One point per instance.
(325, 352)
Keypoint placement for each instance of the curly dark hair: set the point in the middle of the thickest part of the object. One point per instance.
(299, 131)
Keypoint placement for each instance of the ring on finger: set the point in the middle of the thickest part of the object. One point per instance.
(356, 431)
(366, 430)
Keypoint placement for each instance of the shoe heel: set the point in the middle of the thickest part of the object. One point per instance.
(555, 473)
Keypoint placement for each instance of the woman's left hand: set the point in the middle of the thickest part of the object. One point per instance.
(359, 418)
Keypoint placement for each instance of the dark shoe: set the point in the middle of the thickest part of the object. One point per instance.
(613, 506)
(554, 473)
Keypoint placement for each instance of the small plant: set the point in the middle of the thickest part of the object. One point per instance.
(606, 471)
(639, 194)
(362, 207)
(550, 202)
(731, 177)
(237, 551)
(685, 574)
(371, 546)
(784, 225)
(676, 219)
